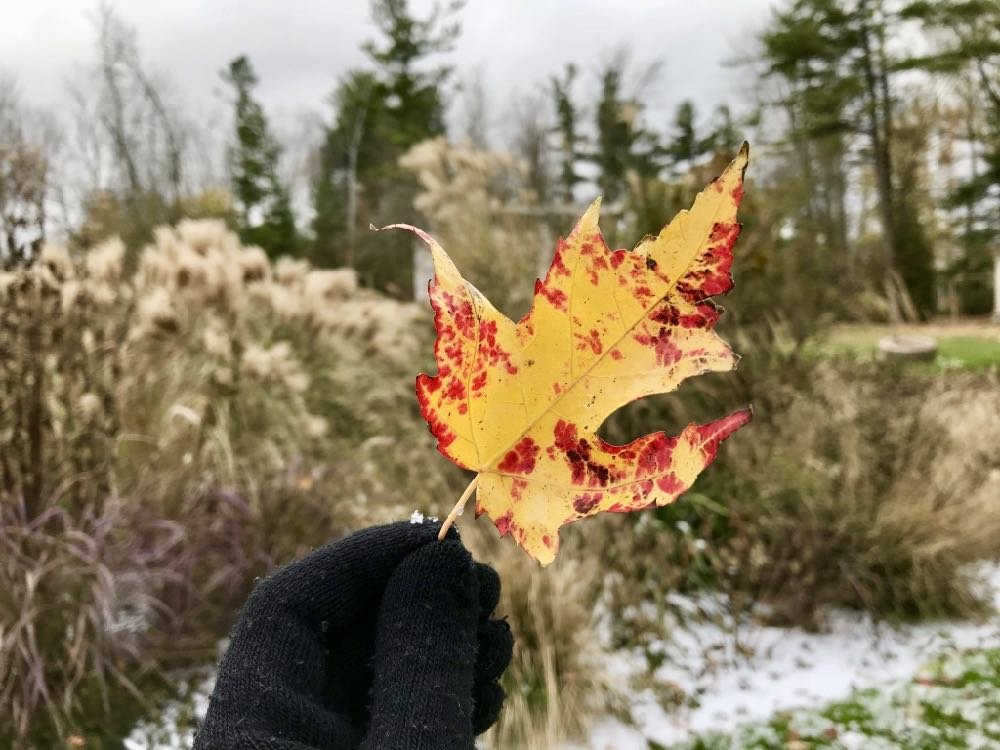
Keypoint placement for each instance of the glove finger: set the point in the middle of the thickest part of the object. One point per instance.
(425, 651)
(489, 590)
(496, 647)
(338, 582)
(277, 669)
(489, 700)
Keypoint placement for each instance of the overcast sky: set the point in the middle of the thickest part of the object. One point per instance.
(299, 47)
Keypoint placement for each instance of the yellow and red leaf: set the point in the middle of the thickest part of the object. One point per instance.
(520, 403)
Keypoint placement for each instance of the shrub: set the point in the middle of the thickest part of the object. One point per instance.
(856, 485)
(558, 677)
(168, 435)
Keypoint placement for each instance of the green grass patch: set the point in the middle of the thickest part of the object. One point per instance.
(965, 348)
(954, 702)
(970, 352)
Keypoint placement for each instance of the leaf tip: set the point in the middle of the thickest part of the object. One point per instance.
(409, 228)
(742, 159)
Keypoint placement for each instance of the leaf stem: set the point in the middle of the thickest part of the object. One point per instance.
(458, 507)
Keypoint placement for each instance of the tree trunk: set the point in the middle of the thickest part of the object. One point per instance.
(352, 184)
(879, 122)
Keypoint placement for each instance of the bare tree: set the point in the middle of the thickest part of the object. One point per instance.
(129, 138)
(144, 131)
(531, 131)
(29, 142)
(475, 108)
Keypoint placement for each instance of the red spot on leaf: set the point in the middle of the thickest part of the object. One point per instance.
(595, 341)
(439, 428)
(642, 293)
(558, 267)
(666, 315)
(667, 352)
(490, 350)
(653, 456)
(503, 523)
(517, 488)
(427, 384)
(578, 453)
(521, 458)
(670, 484)
(556, 297)
(586, 502)
(455, 390)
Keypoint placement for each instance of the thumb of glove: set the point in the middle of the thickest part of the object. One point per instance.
(425, 653)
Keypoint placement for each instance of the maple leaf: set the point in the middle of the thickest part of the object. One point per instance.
(520, 403)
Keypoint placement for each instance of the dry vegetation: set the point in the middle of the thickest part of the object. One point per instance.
(168, 435)
(165, 438)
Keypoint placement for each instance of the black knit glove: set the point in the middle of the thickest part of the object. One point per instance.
(382, 641)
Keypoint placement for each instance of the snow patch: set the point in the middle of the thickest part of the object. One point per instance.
(769, 669)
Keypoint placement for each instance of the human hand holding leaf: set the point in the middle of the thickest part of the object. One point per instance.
(520, 403)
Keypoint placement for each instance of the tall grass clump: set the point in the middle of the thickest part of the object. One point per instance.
(858, 484)
(165, 437)
(558, 678)
(476, 203)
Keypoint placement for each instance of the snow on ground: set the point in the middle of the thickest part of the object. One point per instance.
(174, 728)
(785, 668)
(774, 669)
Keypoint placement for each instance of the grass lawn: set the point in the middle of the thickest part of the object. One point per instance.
(972, 352)
(971, 345)
(954, 702)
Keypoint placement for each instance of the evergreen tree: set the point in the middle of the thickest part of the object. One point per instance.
(806, 51)
(262, 202)
(566, 129)
(349, 150)
(380, 113)
(966, 53)
(725, 136)
(623, 145)
(685, 146)
(838, 68)
(414, 105)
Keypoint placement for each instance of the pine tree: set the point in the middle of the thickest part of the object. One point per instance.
(685, 146)
(381, 112)
(623, 145)
(566, 129)
(414, 105)
(263, 204)
(725, 136)
(838, 67)
(349, 150)
(966, 53)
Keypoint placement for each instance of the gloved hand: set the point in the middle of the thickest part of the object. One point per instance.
(381, 641)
